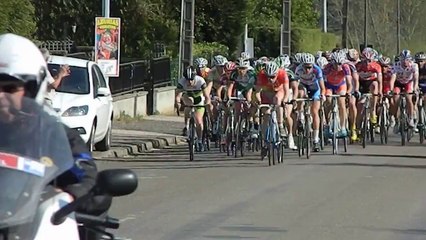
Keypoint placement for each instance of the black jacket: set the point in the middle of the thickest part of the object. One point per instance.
(35, 133)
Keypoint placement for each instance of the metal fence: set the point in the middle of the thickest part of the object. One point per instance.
(142, 75)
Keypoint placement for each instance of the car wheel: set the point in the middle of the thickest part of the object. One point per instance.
(105, 144)
(91, 142)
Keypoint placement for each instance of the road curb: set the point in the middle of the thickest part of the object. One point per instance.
(125, 148)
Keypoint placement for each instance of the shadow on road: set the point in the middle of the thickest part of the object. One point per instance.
(385, 155)
(353, 164)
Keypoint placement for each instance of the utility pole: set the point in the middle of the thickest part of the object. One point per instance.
(106, 8)
(398, 27)
(345, 27)
(366, 3)
(186, 34)
(324, 17)
(286, 28)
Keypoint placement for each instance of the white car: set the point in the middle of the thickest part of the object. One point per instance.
(84, 101)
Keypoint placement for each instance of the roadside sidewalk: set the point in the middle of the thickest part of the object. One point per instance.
(153, 132)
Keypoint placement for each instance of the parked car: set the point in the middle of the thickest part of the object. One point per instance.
(84, 101)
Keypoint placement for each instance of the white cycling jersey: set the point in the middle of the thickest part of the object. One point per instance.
(405, 74)
(193, 90)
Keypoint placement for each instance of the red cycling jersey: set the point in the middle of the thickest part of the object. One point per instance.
(336, 77)
(368, 71)
(278, 85)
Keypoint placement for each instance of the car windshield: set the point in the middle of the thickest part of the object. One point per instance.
(77, 82)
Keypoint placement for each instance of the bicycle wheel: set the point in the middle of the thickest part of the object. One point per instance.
(384, 125)
(206, 132)
(334, 140)
(402, 127)
(321, 129)
(364, 130)
(191, 142)
(307, 137)
(421, 124)
(300, 144)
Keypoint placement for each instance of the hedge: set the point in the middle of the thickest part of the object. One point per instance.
(312, 40)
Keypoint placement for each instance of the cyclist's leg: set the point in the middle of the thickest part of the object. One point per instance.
(267, 98)
(410, 105)
(187, 101)
(278, 99)
(315, 106)
(210, 106)
(395, 111)
(364, 87)
(342, 109)
(199, 113)
(374, 89)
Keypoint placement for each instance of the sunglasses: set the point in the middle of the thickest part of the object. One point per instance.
(10, 87)
(308, 66)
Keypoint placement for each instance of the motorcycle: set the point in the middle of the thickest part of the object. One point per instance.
(34, 151)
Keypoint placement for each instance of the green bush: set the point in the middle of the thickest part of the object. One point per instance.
(311, 40)
(209, 49)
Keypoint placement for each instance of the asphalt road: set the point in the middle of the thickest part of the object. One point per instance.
(373, 193)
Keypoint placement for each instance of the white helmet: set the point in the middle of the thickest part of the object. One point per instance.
(219, 60)
(21, 60)
(338, 57)
(200, 62)
(322, 62)
(245, 55)
(271, 69)
(307, 58)
(243, 62)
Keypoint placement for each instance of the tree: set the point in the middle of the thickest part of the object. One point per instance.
(17, 17)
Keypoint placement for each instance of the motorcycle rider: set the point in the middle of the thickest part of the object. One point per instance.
(23, 72)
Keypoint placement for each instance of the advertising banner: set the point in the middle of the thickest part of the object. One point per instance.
(107, 45)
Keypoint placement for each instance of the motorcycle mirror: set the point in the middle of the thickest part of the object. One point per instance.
(117, 182)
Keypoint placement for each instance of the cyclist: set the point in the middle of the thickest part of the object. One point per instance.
(213, 79)
(352, 58)
(201, 67)
(370, 81)
(322, 62)
(385, 62)
(310, 77)
(338, 81)
(283, 62)
(420, 58)
(272, 87)
(405, 77)
(192, 90)
(241, 85)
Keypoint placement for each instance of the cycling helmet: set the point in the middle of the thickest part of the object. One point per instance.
(318, 55)
(22, 61)
(271, 69)
(420, 56)
(405, 54)
(338, 57)
(369, 53)
(190, 73)
(384, 61)
(219, 60)
(353, 54)
(307, 58)
(245, 55)
(243, 63)
(200, 62)
(230, 66)
(298, 58)
(326, 54)
(283, 61)
(263, 59)
(322, 62)
(396, 59)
